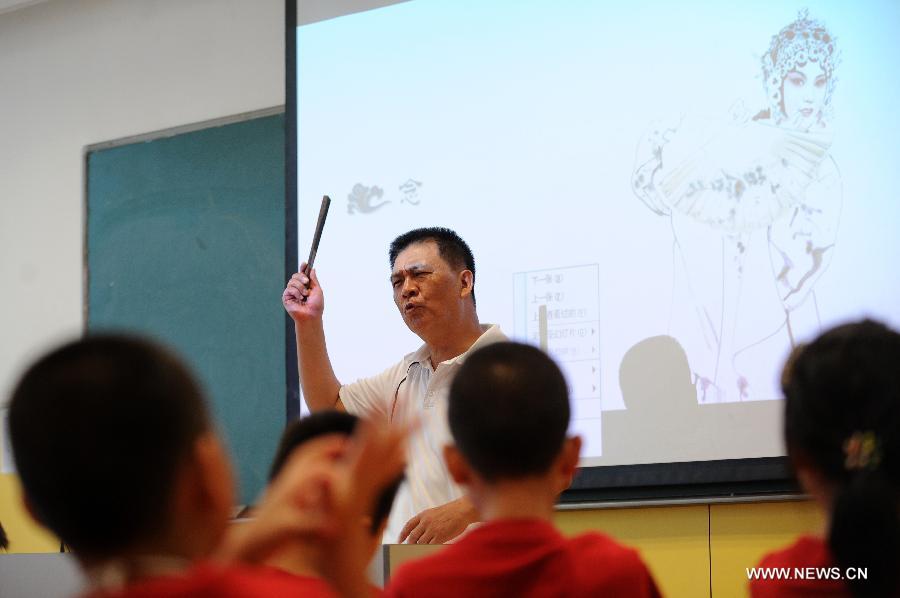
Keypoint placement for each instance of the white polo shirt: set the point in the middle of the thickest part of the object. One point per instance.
(407, 389)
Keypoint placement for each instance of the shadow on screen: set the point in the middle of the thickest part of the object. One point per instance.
(662, 421)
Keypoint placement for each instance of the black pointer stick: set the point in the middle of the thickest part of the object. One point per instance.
(323, 212)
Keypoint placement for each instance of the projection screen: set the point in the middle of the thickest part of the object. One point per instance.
(668, 197)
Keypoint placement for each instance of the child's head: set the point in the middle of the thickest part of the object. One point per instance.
(842, 428)
(114, 446)
(508, 411)
(324, 423)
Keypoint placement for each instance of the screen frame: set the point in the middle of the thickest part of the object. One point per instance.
(751, 478)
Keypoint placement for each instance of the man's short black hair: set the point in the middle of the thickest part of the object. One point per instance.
(321, 423)
(451, 247)
(509, 411)
(98, 429)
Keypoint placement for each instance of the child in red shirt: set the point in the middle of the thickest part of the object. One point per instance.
(842, 430)
(508, 411)
(300, 557)
(118, 456)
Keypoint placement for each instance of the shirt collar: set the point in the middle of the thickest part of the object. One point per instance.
(490, 333)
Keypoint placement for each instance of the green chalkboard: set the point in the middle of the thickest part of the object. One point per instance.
(185, 242)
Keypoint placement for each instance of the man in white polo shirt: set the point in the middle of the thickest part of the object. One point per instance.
(433, 277)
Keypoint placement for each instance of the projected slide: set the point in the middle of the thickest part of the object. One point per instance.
(667, 197)
(559, 311)
(752, 182)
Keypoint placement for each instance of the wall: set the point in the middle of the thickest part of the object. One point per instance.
(78, 72)
(25, 536)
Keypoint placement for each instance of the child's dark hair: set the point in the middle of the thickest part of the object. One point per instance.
(98, 429)
(321, 423)
(842, 419)
(508, 411)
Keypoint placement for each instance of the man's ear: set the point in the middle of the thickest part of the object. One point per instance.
(456, 465)
(467, 283)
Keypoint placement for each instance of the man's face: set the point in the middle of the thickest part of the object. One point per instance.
(426, 288)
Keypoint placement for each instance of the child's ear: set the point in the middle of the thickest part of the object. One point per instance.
(811, 481)
(567, 463)
(456, 465)
(215, 479)
(378, 533)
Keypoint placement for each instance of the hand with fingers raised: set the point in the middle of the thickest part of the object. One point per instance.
(303, 298)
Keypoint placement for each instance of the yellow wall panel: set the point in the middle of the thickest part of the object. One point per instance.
(740, 534)
(674, 542)
(397, 554)
(24, 534)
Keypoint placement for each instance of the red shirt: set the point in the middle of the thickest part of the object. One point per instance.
(809, 554)
(526, 558)
(233, 581)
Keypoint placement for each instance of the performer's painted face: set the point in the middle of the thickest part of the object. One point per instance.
(426, 288)
(803, 94)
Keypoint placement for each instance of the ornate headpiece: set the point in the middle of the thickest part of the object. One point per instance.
(862, 451)
(802, 41)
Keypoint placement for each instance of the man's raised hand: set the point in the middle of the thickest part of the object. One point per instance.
(301, 287)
